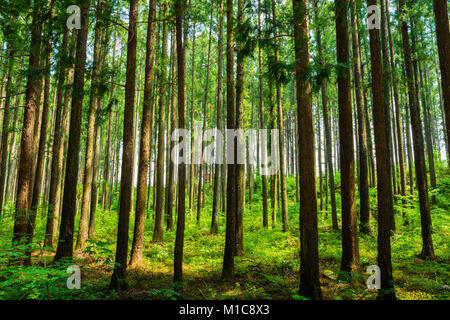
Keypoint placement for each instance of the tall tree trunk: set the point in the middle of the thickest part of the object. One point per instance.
(144, 146)
(350, 247)
(66, 231)
(181, 201)
(309, 253)
(5, 126)
(170, 191)
(24, 177)
(398, 124)
(118, 279)
(240, 146)
(106, 186)
(419, 157)
(201, 166)
(284, 204)
(443, 42)
(90, 138)
(94, 193)
(217, 173)
(326, 125)
(263, 144)
(191, 165)
(159, 204)
(230, 231)
(364, 211)
(39, 174)
(56, 167)
(386, 91)
(385, 204)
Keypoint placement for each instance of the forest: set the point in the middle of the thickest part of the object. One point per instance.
(224, 150)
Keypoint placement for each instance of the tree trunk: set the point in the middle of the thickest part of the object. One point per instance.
(419, 157)
(326, 125)
(263, 144)
(24, 177)
(65, 243)
(364, 211)
(230, 231)
(309, 253)
(144, 146)
(217, 173)
(181, 210)
(385, 205)
(443, 42)
(118, 279)
(90, 138)
(350, 248)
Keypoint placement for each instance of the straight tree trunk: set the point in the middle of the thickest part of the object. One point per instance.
(284, 202)
(181, 201)
(326, 125)
(56, 167)
(90, 138)
(398, 125)
(66, 231)
(240, 147)
(5, 126)
(263, 144)
(159, 204)
(443, 42)
(385, 204)
(230, 231)
(39, 173)
(386, 91)
(118, 279)
(364, 211)
(309, 253)
(144, 146)
(217, 173)
(419, 157)
(350, 247)
(201, 166)
(24, 176)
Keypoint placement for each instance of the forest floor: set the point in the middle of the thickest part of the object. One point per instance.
(268, 270)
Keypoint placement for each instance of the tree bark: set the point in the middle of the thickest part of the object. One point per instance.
(350, 247)
(385, 204)
(118, 279)
(419, 157)
(66, 231)
(309, 253)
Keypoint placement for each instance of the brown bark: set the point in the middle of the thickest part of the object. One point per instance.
(230, 235)
(385, 204)
(326, 125)
(419, 157)
(159, 204)
(350, 247)
(118, 279)
(309, 253)
(364, 212)
(443, 41)
(240, 146)
(217, 172)
(65, 243)
(144, 147)
(32, 95)
(284, 202)
(263, 144)
(90, 138)
(181, 210)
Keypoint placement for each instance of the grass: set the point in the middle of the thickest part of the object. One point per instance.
(268, 270)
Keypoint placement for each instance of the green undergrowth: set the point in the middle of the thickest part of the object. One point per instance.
(269, 269)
